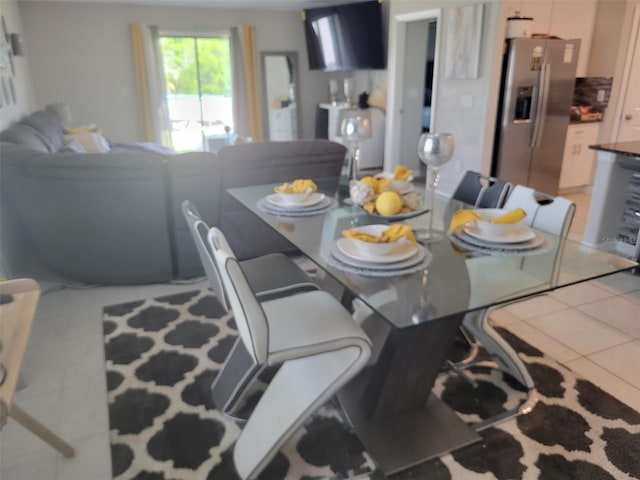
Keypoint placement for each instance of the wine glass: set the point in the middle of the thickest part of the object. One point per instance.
(434, 150)
(348, 91)
(355, 128)
(333, 91)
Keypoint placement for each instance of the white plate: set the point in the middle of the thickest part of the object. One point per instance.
(400, 186)
(417, 257)
(325, 204)
(519, 234)
(313, 199)
(466, 239)
(399, 216)
(401, 252)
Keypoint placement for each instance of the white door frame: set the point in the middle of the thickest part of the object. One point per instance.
(624, 86)
(397, 41)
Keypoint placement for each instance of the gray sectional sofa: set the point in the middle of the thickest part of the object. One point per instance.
(114, 218)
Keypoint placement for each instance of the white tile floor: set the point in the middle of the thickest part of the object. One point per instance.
(593, 328)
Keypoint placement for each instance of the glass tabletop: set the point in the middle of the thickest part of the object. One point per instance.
(454, 281)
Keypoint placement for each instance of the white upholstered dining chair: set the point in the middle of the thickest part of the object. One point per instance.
(314, 339)
(269, 275)
(548, 214)
(482, 191)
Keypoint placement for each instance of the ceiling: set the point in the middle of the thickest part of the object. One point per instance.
(255, 4)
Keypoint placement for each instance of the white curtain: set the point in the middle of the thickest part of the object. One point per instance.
(247, 117)
(149, 70)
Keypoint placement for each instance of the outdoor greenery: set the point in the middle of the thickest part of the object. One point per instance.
(185, 57)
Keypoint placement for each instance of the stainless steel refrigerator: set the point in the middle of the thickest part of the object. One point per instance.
(538, 78)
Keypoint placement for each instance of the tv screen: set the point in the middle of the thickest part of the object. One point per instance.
(345, 37)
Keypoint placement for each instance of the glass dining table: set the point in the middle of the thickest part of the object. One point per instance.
(419, 312)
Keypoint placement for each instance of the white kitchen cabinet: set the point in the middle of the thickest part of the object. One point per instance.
(578, 159)
(571, 20)
(564, 19)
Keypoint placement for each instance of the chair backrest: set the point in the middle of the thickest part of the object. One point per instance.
(248, 313)
(544, 212)
(482, 191)
(549, 214)
(199, 230)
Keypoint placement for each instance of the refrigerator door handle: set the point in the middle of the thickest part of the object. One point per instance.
(541, 105)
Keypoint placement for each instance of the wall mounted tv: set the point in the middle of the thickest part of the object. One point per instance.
(345, 37)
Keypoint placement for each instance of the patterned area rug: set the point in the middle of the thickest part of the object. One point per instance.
(163, 354)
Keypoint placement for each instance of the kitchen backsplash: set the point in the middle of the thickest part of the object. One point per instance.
(590, 98)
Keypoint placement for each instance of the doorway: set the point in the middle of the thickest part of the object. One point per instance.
(627, 124)
(413, 78)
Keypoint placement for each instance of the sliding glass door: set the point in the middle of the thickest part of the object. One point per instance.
(197, 75)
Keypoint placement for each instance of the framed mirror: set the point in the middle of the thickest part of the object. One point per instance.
(280, 93)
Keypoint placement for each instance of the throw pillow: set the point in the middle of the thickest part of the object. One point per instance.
(94, 127)
(91, 142)
(73, 146)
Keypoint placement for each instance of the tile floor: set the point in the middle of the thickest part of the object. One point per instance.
(593, 328)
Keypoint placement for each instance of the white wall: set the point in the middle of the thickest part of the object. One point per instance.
(618, 42)
(472, 126)
(81, 54)
(9, 114)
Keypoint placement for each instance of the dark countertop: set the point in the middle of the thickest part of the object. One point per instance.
(630, 149)
(580, 122)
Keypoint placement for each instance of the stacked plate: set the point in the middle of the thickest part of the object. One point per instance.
(519, 240)
(281, 204)
(402, 259)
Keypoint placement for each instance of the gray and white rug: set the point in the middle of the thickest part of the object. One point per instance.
(162, 355)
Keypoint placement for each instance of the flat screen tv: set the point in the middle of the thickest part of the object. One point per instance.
(345, 37)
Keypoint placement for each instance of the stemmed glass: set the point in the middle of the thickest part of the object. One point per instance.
(434, 150)
(354, 129)
(333, 91)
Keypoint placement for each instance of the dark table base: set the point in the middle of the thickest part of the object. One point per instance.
(404, 440)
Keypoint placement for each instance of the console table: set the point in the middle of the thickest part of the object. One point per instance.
(17, 309)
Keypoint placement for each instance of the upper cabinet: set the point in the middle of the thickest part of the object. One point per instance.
(571, 20)
(563, 19)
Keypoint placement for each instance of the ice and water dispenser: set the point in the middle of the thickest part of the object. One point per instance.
(523, 104)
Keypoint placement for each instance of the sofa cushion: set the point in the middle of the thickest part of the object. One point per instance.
(25, 136)
(50, 126)
(270, 162)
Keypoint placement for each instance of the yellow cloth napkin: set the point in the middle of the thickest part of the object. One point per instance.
(461, 217)
(391, 234)
(378, 185)
(465, 216)
(297, 186)
(401, 172)
(512, 216)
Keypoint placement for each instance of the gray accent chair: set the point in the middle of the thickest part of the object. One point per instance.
(313, 337)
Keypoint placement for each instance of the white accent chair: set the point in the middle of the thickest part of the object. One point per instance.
(549, 214)
(269, 276)
(313, 337)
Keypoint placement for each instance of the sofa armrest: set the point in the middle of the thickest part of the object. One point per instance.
(93, 218)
